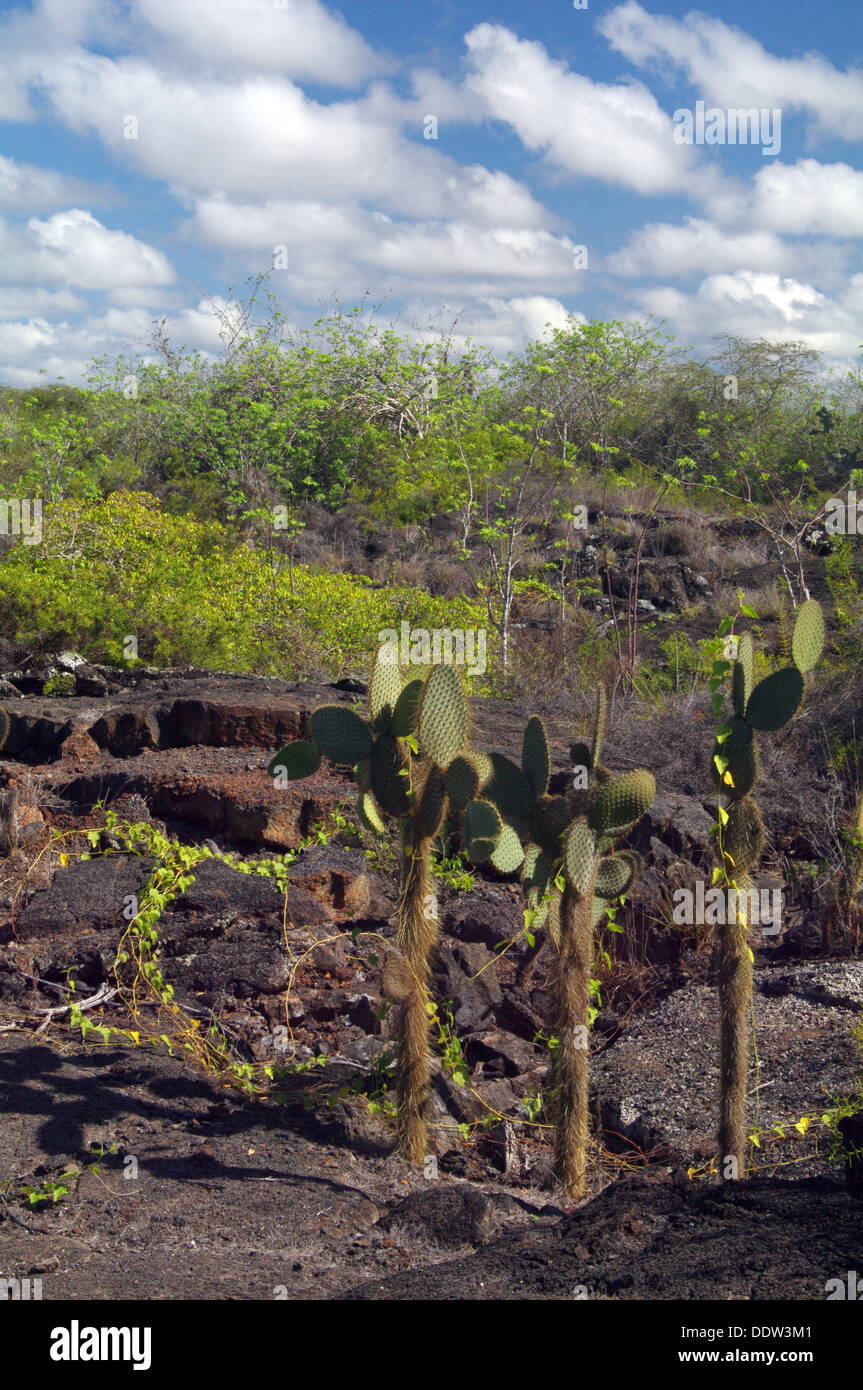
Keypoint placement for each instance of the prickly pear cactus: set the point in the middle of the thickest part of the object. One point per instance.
(569, 875)
(411, 762)
(756, 708)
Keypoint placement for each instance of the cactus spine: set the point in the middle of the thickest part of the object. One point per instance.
(767, 706)
(411, 761)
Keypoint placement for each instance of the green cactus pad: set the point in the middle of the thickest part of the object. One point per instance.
(615, 875)
(807, 643)
(5, 726)
(462, 781)
(775, 699)
(580, 755)
(484, 766)
(743, 834)
(507, 854)
(746, 662)
(299, 759)
(579, 857)
(482, 830)
(509, 789)
(622, 801)
(535, 872)
(363, 775)
(552, 816)
(368, 814)
(406, 712)
(385, 683)
(535, 757)
(741, 750)
(444, 719)
(341, 735)
(599, 725)
(388, 785)
(431, 804)
(598, 911)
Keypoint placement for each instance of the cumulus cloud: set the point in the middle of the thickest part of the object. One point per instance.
(731, 68)
(802, 199)
(299, 38)
(617, 133)
(72, 248)
(778, 308)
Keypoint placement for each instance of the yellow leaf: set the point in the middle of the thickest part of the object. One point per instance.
(803, 1124)
(135, 1036)
(64, 859)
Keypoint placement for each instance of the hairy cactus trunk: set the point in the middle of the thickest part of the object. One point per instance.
(416, 935)
(570, 1021)
(735, 992)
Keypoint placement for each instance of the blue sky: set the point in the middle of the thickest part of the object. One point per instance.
(258, 124)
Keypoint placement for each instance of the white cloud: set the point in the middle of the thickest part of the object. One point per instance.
(297, 38)
(662, 249)
(802, 199)
(732, 69)
(347, 248)
(72, 248)
(778, 308)
(33, 300)
(35, 189)
(616, 133)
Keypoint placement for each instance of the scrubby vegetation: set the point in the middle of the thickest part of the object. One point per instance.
(594, 501)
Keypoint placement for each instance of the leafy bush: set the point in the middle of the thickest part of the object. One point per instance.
(191, 592)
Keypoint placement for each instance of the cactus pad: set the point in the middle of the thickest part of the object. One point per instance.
(431, 804)
(535, 757)
(443, 717)
(579, 858)
(507, 854)
(775, 699)
(368, 814)
(341, 735)
(406, 711)
(746, 662)
(807, 643)
(615, 875)
(482, 830)
(623, 801)
(535, 872)
(509, 789)
(385, 683)
(462, 781)
(299, 759)
(388, 785)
